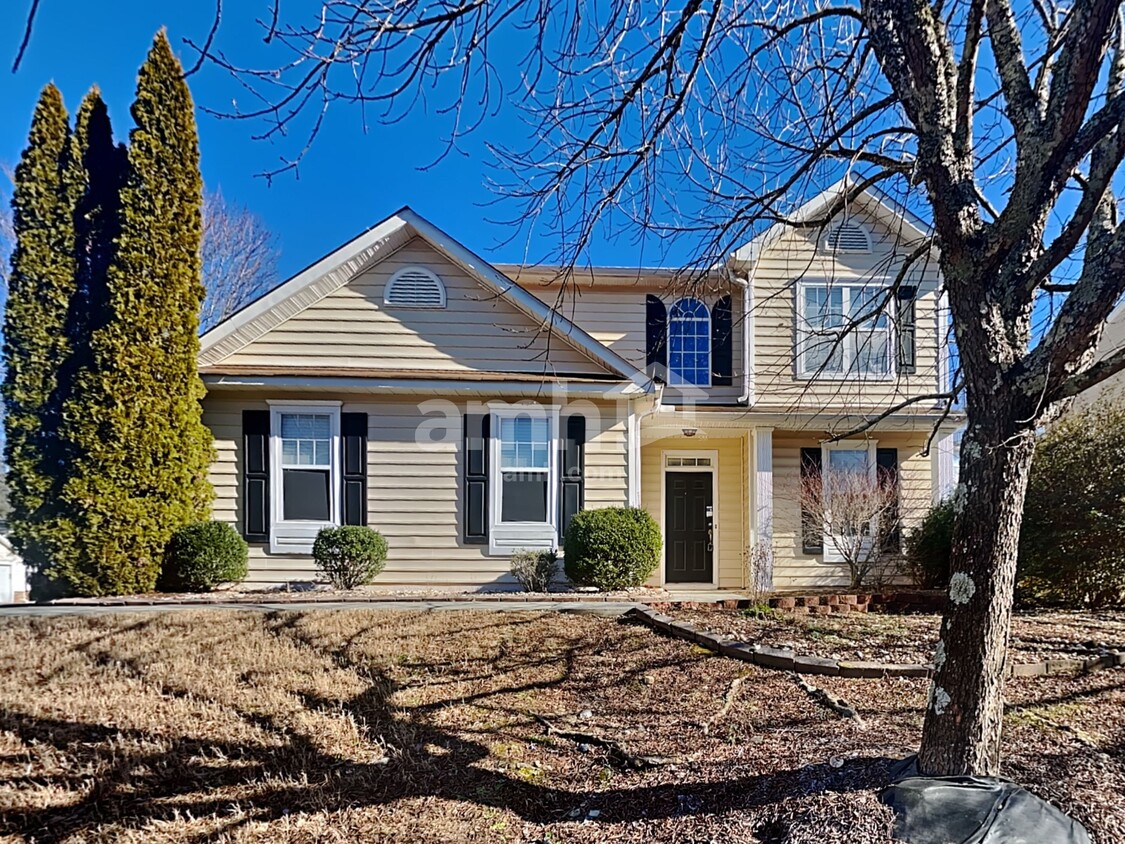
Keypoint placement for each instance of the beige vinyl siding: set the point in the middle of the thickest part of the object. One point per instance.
(616, 316)
(732, 514)
(414, 491)
(796, 257)
(793, 569)
(1112, 342)
(476, 331)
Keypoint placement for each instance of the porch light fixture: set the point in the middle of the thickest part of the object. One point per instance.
(690, 432)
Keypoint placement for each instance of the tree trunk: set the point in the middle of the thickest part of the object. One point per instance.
(961, 734)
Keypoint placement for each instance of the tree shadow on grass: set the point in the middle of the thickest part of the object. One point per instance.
(133, 777)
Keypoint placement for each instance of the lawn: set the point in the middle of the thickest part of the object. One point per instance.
(426, 727)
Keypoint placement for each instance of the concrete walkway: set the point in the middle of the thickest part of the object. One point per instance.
(602, 608)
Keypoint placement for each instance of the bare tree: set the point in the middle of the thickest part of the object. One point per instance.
(239, 258)
(703, 119)
(856, 512)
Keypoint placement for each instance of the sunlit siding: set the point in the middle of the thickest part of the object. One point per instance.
(478, 330)
(414, 490)
(793, 569)
(796, 257)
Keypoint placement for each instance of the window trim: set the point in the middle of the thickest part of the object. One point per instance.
(296, 536)
(849, 348)
(506, 537)
(828, 551)
(674, 378)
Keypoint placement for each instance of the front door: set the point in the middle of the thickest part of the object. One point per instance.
(689, 528)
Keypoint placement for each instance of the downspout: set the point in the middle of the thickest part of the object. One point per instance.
(633, 436)
(747, 333)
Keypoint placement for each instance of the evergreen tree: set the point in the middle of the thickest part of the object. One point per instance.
(35, 340)
(98, 167)
(134, 418)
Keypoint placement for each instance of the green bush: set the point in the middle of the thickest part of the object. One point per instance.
(349, 556)
(929, 545)
(1072, 543)
(200, 556)
(535, 569)
(612, 548)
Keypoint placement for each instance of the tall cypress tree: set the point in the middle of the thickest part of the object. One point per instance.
(134, 418)
(98, 167)
(35, 338)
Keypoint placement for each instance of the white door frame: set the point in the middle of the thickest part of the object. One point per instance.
(714, 470)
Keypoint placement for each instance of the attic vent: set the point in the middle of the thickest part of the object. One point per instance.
(846, 236)
(414, 287)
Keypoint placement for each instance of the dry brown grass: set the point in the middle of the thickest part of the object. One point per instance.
(358, 725)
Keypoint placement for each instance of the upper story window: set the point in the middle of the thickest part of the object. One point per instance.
(689, 344)
(847, 237)
(842, 331)
(414, 287)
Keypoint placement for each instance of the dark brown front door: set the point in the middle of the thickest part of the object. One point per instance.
(688, 527)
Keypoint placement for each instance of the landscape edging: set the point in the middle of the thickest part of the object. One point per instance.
(781, 659)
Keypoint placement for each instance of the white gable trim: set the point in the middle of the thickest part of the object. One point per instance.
(335, 270)
(911, 229)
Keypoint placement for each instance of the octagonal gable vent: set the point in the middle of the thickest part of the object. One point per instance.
(414, 287)
(847, 236)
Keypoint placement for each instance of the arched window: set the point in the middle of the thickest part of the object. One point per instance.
(689, 344)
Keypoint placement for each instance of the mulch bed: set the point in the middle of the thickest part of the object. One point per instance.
(879, 637)
(422, 727)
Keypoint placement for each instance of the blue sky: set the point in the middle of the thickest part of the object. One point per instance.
(349, 181)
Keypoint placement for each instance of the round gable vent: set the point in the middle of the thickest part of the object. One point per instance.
(847, 236)
(414, 287)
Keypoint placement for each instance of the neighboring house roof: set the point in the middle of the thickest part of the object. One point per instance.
(336, 269)
(909, 227)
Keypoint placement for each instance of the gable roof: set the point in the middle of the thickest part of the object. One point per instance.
(336, 269)
(895, 217)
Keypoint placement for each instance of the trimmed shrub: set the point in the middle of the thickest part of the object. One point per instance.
(535, 570)
(200, 556)
(929, 545)
(612, 548)
(350, 555)
(1073, 534)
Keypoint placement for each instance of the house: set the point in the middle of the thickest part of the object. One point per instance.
(1111, 342)
(13, 573)
(467, 410)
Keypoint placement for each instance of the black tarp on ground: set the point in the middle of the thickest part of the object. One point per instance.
(974, 810)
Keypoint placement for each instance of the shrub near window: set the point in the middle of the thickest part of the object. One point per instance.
(200, 556)
(612, 548)
(349, 556)
(929, 545)
(535, 569)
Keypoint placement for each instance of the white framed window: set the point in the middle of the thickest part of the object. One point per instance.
(525, 463)
(843, 458)
(305, 466)
(843, 331)
(414, 287)
(689, 344)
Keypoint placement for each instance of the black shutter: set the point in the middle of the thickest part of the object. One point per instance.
(476, 478)
(812, 533)
(886, 467)
(572, 459)
(907, 331)
(656, 336)
(353, 438)
(721, 350)
(256, 475)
